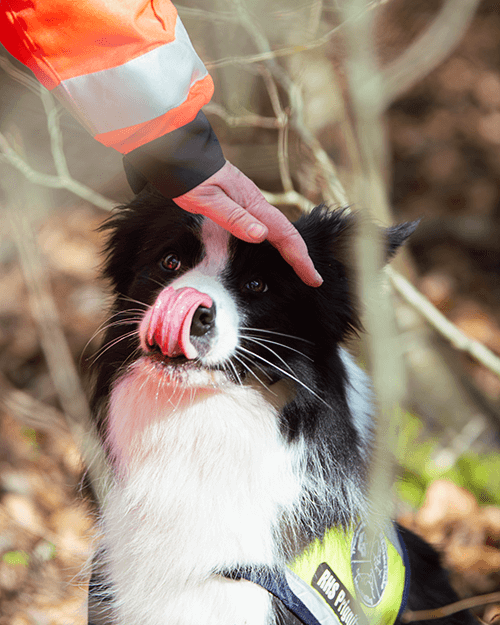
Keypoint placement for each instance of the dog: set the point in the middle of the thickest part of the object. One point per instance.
(240, 433)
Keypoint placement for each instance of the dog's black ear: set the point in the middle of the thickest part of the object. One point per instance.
(395, 236)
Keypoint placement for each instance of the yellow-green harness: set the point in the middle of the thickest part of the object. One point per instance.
(345, 579)
(348, 578)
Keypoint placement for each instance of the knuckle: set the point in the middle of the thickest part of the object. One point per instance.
(235, 217)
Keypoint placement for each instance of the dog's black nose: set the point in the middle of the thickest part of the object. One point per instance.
(203, 320)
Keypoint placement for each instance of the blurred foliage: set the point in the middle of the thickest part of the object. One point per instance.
(15, 558)
(478, 473)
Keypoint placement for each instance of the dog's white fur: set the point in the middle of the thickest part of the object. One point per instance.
(206, 482)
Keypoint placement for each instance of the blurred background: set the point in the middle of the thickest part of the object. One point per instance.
(284, 111)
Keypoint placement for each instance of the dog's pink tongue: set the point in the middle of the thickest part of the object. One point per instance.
(168, 322)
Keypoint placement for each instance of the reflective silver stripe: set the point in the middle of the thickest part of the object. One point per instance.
(137, 91)
(311, 599)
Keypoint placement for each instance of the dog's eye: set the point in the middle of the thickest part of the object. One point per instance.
(171, 262)
(256, 286)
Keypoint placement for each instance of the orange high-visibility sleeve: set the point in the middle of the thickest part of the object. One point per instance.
(125, 68)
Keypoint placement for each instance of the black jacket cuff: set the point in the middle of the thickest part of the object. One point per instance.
(176, 162)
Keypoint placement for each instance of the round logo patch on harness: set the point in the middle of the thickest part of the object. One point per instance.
(369, 565)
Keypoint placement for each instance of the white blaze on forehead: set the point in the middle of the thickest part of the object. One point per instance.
(216, 243)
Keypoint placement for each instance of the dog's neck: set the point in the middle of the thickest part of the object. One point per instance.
(203, 479)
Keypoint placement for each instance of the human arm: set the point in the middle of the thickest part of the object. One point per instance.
(127, 70)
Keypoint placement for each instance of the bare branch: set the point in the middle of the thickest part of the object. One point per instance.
(290, 197)
(29, 411)
(9, 155)
(282, 118)
(387, 369)
(19, 76)
(57, 353)
(429, 50)
(209, 16)
(56, 141)
(333, 190)
(242, 120)
(451, 608)
(412, 296)
(315, 17)
(270, 55)
(440, 323)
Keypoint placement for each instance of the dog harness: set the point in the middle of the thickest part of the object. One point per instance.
(348, 578)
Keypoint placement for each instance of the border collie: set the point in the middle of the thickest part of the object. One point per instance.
(240, 432)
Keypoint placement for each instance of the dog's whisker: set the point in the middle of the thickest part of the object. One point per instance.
(261, 340)
(108, 323)
(257, 342)
(254, 364)
(111, 344)
(251, 372)
(290, 336)
(292, 377)
(127, 298)
(233, 368)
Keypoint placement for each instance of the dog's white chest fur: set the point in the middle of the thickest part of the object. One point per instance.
(207, 479)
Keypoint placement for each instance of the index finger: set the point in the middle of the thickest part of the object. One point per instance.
(287, 240)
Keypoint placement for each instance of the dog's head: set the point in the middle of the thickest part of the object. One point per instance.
(192, 298)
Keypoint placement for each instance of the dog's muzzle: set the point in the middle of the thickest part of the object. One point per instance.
(175, 320)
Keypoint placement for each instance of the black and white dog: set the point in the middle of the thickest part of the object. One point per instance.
(239, 431)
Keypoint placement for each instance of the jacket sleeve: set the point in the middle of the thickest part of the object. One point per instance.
(127, 70)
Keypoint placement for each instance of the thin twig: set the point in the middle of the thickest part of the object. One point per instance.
(290, 197)
(203, 14)
(63, 180)
(333, 190)
(270, 55)
(451, 608)
(250, 120)
(56, 139)
(440, 323)
(19, 76)
(282, 117)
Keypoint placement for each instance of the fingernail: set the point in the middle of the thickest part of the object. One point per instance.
(256, 231)
(318, 279)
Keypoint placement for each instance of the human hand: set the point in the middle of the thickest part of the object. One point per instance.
(234, 202)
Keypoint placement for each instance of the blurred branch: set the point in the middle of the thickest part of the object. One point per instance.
(465, 604)
(290, 197)
(440, 323)
(56, 140)
(282, 119)
(387, 369)
(209, 16)
(63, 179)
(429, 50)
(315, 17)
(57, 354)
(270, 54)
(9, 155)
(333, 189)
(249, 120)
(29, 411)
(19, 76)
